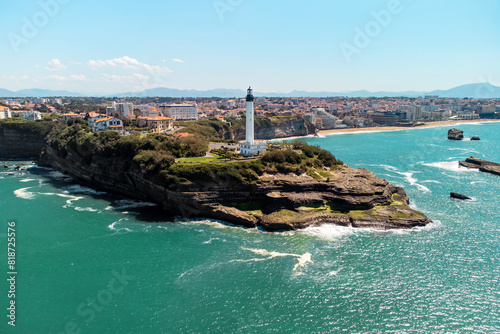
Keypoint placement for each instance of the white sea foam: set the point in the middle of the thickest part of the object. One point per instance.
(413, 181)
(303, 259)
(86, 209)
(27, 180)
(431, 181)
(327, 231)
(462, 149)
(113, 225)
(129, 204)
(70, 198)
(78, 189)
(450, 165)
(24, 194)
(215, 224)
(389, 168)
(210, 241)
(434, 225)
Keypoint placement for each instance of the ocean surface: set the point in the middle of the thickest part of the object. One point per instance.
(88, 262)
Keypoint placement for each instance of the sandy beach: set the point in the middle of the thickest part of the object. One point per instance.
(397, 128)
(322, 133)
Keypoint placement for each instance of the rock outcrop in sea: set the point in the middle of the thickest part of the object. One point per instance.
(459, 196)
(455, 134)
(482, 165)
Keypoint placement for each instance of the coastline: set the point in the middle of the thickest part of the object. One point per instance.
(400, 128)
(330, 132)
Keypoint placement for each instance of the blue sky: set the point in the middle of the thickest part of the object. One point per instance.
(105, 47)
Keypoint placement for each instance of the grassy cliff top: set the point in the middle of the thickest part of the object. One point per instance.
(156, 154)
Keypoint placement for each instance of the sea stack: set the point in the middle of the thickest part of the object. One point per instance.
(455, 134)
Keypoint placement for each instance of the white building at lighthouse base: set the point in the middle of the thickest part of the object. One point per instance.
(255, 148)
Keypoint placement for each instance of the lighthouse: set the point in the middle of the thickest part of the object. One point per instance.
(250, 146)
(250, 121)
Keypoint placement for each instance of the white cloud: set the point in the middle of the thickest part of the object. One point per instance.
(127, 62)
(55, 65)
(79, 77)
(178, 60)
(57, 77)
(136, 77)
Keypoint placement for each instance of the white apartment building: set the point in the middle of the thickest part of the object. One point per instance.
(122, 109)
(32, 115)
(5, 113)
(180, 111)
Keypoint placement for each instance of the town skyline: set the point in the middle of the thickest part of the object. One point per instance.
(105, 48)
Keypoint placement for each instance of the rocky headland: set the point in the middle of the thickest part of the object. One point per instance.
(252, 194)
(274, 195)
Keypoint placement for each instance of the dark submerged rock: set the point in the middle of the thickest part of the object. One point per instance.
(459, 196)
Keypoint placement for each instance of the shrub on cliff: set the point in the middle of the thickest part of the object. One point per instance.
(154, 161)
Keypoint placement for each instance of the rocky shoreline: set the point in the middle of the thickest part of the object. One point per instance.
(349, 197)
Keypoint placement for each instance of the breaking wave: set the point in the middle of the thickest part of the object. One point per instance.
(24, 194)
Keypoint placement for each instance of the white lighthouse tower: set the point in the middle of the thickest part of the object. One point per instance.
(250, 146)
(250, 122)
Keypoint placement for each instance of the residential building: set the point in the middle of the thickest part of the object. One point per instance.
(157, 124)
(5, 113)
(67, 116)
(31, 115)
(92, 117)
(180, 111)
(108, 123)
(120, 109)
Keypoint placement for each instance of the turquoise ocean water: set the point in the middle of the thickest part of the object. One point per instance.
(91, 263)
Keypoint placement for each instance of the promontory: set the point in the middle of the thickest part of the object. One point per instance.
(291, 186)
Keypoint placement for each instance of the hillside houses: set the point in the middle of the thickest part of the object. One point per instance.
(108, 123)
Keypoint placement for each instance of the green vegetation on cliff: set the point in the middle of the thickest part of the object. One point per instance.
(215, 130)
(155, 155)
(42, 127)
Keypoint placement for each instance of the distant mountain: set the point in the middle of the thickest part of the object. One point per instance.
(482, 90)
(6, 93)
(36, 92)
(172, 92)
(477, 90)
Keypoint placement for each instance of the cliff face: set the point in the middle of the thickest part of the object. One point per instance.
(22, 140)
(288, 128)
(350, 197)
